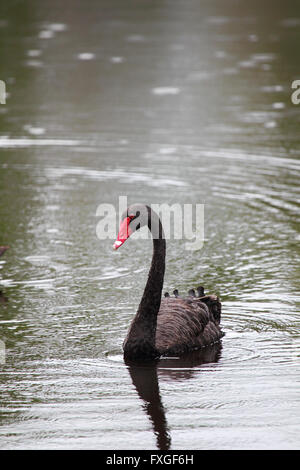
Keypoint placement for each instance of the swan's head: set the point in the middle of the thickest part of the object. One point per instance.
(135, 217)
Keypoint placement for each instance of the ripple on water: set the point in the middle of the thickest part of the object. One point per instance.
(38, 260)
(7, 142)
(117, 175)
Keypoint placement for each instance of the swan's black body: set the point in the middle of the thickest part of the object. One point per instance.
(169, 326)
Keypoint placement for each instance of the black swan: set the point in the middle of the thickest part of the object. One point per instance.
(168, 326)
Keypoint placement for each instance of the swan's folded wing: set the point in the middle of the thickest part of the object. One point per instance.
(184, 325)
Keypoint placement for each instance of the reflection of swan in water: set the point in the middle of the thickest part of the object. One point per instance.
(145, 379)
(3, 299)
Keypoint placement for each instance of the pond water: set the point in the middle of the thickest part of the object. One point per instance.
(177, 102)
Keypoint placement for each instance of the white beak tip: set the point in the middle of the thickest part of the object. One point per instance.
(117, 244)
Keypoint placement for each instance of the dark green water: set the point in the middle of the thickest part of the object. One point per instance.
(179, 101)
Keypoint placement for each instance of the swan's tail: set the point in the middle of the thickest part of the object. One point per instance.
(191, 293)
(214, 306)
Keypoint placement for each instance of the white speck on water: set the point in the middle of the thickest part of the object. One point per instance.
(199, 75)
(247, 63)
(34, 53)
(57, 27)
(46, 34)
(135, 38)
(278, 105)
(34, 130)
(34, 63)
(117, 60)
(253, 37)
(86, 56)
(264, 57)
(272, 88)
(167, 90)
(270, 125)
(167, 150)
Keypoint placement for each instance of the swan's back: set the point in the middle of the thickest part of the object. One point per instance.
(184, 325)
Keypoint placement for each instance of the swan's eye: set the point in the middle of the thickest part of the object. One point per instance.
(137, 224)
(134, 216)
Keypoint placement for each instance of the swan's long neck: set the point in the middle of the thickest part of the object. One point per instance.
(150, 302)
(140, 341)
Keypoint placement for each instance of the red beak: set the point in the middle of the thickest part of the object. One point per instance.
(124, 233)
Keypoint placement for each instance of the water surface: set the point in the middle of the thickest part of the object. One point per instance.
(163, 102)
